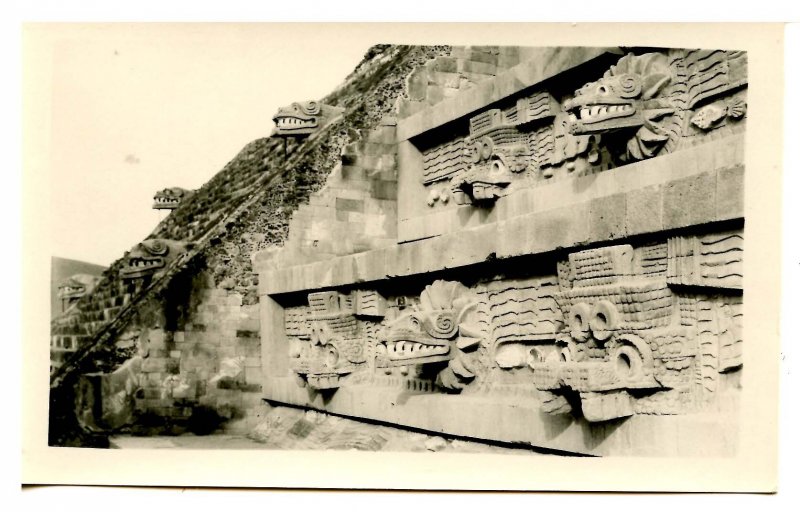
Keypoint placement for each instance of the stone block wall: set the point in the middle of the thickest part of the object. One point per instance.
(213, 363)
(245, 208)
(356, 211)
(194, 366)
(445, 76)
(568, 265)
(74, 328)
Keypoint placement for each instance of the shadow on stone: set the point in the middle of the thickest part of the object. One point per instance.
(204, 421)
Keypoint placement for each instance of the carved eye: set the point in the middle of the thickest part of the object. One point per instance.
(487, 147)
(156, 247)
(603, 320)
(331, 357)
(310, 107)
(630, 86)
(628, 363)
(578, 321)
(498, 166)
(475, 152)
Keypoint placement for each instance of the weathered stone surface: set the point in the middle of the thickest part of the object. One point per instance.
(171, 198)
(566, 253)
(689, 201)
(730, 193)
(527, 74)
(518, 245)
(607, 217)
(301, 119)
(643, 211)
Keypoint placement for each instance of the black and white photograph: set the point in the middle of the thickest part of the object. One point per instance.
(378, 251)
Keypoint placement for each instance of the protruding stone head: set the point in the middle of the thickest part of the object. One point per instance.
(630, 95)
(617, 100)
(151, 257)
(170, 198)
(489, 174)
(303, 118)
(76, 286)
(440, 328)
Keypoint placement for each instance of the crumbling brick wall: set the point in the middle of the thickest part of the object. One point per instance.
(193, 365)
(207, 371)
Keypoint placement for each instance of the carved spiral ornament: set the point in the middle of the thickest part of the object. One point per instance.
(311, 108)
(157, 247)
(630, 86)
(442, 325)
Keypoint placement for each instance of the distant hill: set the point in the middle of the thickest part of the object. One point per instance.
(63, 268)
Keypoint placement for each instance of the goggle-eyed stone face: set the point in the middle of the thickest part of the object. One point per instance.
(328, 342)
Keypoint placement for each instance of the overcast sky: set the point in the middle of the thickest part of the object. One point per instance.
(132, 109)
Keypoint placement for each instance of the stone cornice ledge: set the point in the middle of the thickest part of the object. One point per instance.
(695, 186)
(543, 63)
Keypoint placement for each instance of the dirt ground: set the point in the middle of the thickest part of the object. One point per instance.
(294, 429)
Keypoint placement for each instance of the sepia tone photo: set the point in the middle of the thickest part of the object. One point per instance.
(523, 252)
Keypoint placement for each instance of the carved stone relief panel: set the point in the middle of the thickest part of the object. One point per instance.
(505, 146)
(604, 333)
(711, 260)
(645, 105)
(640, 107)
(524, 319)
(443, 326)
(327, 340)
(711, 73)
(631, 344)
(443, 160)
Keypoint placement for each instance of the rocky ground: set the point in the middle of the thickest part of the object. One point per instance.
(295, 429)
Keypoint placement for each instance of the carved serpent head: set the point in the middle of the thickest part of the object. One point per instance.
(630, 95)
(170, 198)
(302, 118)
(440, 328)
(150, 257)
